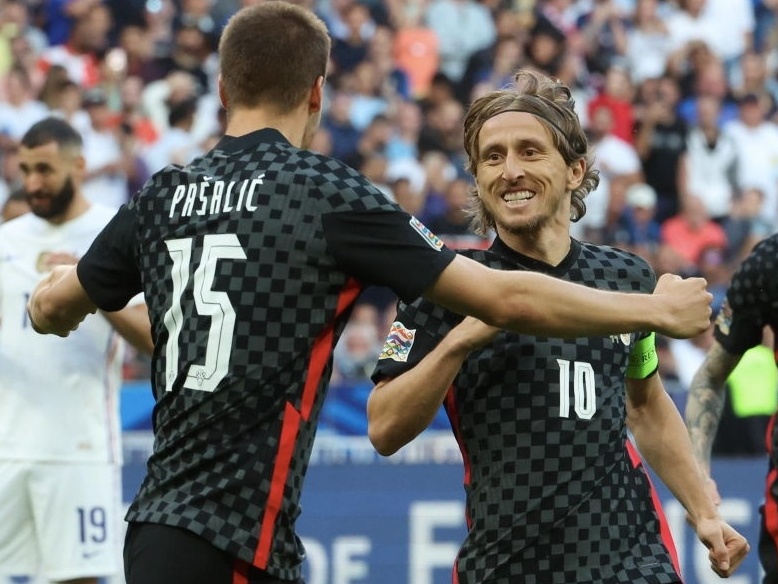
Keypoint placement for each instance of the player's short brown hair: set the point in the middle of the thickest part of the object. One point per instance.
(271, 55)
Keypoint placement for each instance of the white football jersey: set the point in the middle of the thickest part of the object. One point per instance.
(59, 397)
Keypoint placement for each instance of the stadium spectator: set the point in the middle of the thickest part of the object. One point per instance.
(617, 95)
(756, 141)
(107, 165)
(176, 145)
(507, 395)
(351, 49)
(647, 47)
(313, 232)
(745, 226)
(638, 230)
(462, 28)
(661, 145)
(690, 232)
(79, 54)
(59, 435)
(19, 110)
(619, 167)
(415, 47)
(711, 160)
(453, 225)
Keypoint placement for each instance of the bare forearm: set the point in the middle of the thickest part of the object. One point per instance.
(133, 325)
(662, 440)
(533, 303)
(705, 404)
(398, 410)
(59, 303)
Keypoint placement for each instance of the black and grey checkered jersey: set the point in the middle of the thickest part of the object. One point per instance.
(750, 305)
(250, 259)
(555, 493)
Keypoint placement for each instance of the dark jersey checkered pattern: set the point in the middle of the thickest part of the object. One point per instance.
(554, 492)
(250, 259)
(750, 305)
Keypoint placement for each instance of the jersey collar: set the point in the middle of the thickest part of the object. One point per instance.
(230, 144)
(499, 247)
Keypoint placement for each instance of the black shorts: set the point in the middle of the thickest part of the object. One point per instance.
(159, 554)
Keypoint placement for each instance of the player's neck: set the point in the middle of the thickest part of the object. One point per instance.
(245, 121)
(545, 245)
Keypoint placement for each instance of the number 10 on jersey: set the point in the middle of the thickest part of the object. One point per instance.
(584, 399)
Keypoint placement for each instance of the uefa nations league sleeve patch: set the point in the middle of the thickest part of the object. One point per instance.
(398, 343)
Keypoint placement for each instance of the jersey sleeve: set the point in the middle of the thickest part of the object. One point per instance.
(109, 270)
(386, 247)
(416, 330)
(746, 308)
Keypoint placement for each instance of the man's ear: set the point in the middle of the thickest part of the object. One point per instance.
(575, 174)
(221, 92)
(316, 98)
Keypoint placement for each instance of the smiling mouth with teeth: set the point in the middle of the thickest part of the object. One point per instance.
(518, 196)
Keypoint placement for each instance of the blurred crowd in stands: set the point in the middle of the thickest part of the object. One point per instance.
(679, 97)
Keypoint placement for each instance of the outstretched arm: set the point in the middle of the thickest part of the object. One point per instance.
(661, 438)
(533, 303)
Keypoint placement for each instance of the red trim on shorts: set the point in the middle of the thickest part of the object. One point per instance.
(664, 527)
(320, 354)
(240, 574)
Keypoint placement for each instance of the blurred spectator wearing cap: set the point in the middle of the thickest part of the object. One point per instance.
(86, 40)
(756, 141)
(711, 160)
(638, 230)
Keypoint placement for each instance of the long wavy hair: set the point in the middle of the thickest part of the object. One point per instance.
(551, 102)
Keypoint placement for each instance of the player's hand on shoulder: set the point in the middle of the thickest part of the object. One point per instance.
(686, 304)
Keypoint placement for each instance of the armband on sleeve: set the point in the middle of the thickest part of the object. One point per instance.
(643, 360)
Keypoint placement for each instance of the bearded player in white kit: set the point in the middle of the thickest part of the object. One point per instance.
(60, 453)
